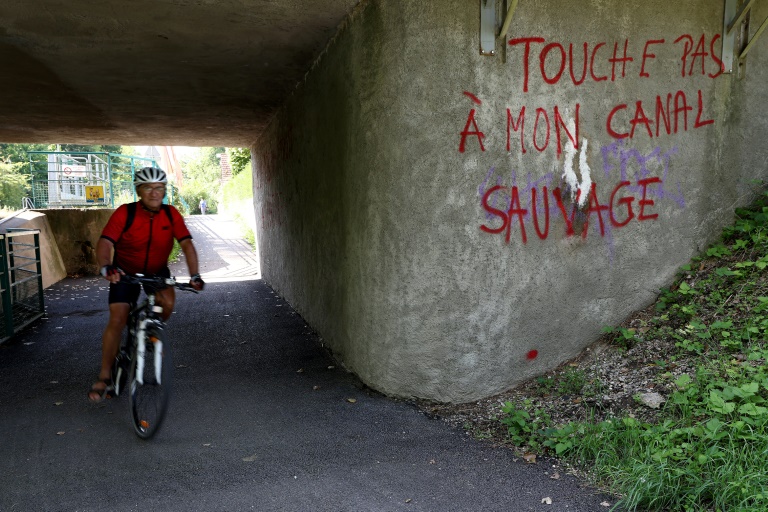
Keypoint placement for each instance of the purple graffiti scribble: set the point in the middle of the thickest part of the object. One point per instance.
(631, 165)
(627, 156)
(481, 189)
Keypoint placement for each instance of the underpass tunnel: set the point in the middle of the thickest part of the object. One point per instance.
(456, 196)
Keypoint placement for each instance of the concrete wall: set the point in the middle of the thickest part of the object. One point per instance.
(76, 232)
(373, 191)
(51, 263)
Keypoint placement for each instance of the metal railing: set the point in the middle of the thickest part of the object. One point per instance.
(78, 179)
(21, 280)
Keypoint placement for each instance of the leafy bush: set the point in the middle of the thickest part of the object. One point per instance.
(195, 191)
(202, 180)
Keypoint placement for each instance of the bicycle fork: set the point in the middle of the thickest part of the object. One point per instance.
(141, 348)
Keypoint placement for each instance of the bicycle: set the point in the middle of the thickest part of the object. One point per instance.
(144, 359)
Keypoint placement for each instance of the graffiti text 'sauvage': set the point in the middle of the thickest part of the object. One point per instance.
(618, 210)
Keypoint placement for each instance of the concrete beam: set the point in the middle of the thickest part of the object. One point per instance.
(192, 73)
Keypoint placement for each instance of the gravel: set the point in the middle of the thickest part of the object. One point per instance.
(605, 381)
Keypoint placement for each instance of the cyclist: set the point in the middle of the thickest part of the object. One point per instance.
(138, 239)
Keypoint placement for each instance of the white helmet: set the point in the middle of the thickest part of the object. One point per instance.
(149, 175)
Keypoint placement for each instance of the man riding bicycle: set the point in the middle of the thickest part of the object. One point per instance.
(138, 239)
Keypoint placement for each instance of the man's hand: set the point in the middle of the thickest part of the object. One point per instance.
(111, 273)
(197, 282)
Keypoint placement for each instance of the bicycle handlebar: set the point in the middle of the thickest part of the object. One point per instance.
(157, 282)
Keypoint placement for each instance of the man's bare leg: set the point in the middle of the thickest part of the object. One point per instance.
(167, 299)
(110, 344)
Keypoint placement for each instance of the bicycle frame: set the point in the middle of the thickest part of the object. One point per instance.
(145, 317)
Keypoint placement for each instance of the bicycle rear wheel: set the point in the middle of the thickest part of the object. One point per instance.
(149, 401)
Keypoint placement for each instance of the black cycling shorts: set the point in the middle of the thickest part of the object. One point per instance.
(129, 292)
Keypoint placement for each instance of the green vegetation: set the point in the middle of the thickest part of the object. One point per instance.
(237, 197)
(708, 447)
(17, 153)
(175, 252)
(13, 185)
(14, 168)
(240, 158)
(569, 382)
(202, 179)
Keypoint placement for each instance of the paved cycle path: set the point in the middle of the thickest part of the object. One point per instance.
(261, 418)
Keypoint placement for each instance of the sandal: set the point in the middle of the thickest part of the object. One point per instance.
(98, 394)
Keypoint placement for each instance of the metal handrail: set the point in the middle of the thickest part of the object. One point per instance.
(20, 303)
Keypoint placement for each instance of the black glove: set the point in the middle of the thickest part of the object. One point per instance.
(196, 279)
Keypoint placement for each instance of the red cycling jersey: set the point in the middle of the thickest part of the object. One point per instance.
(144, 248)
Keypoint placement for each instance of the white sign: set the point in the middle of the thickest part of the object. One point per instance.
(74, 171)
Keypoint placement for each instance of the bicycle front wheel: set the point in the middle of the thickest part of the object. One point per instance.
(149, 394)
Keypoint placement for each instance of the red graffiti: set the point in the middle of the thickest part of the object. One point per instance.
(665, 112)
(549, 126)
(618, 212)
(527, 42)
(473, 97)
(471, 121)
(553, 59)
(647, 55)
(666, 115)
(543, 126)
(699, 54)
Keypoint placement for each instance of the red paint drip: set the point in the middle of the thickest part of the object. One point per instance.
(533, 354)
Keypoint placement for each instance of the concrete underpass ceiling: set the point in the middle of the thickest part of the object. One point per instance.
(173, 72)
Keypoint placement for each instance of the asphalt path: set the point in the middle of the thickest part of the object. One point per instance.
(261, 417)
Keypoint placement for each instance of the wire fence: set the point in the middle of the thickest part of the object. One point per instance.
(77, 180)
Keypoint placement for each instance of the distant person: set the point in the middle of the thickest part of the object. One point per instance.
(138, 239)
(203, 206)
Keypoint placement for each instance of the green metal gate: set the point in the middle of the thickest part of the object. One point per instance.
(79, 179)
(21, 280)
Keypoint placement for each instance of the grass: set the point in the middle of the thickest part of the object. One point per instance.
(248, 234)
(175, 252)
(707, 450)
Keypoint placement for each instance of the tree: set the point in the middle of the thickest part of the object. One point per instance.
(239, 158)
(76, 148)
(202, 178)
(17, 153)
(204, 167)
(13, 185)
